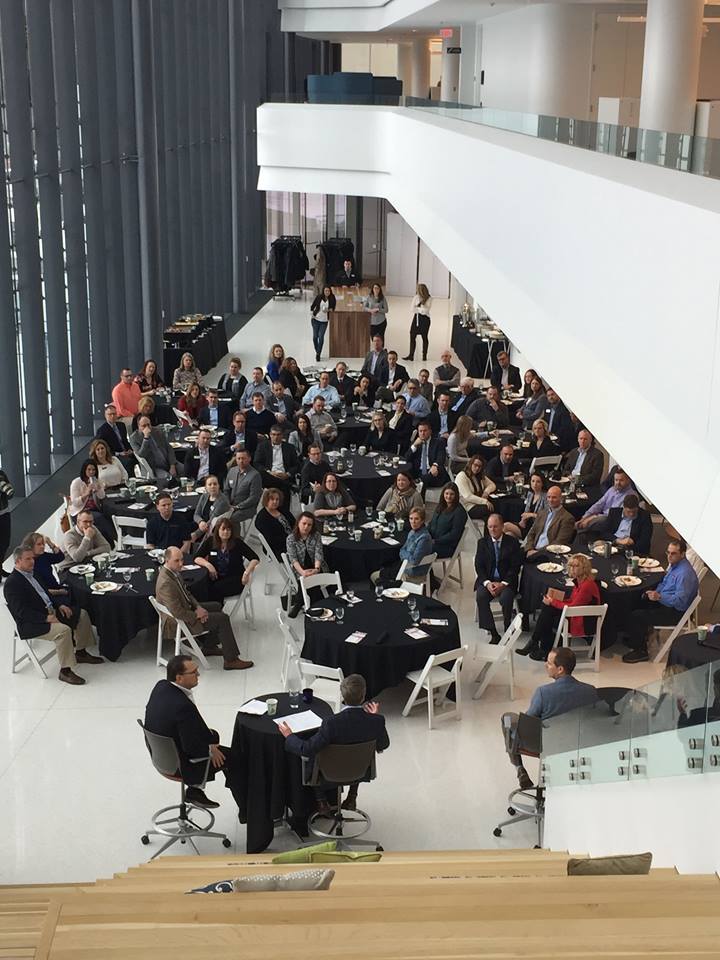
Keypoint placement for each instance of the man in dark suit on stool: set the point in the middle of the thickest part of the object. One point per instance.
(171, 712)
(357, 722)
(497, 563)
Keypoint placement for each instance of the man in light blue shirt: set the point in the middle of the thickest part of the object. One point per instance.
(415, 402)
(550, 700)
(323, 388)
(614, 497)
(257, 385)
(665, 605)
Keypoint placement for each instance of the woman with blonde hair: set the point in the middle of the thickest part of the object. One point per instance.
(146, 408)
(457, 444)
(420, 325)
(276, 357)
(541, 444)
(186, 374)
(109, 469)
(585, 593)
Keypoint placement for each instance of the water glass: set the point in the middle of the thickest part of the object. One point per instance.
(415, 615)
(379, 592)
(340, 614)
(350, 594)
(127, 577)
(353, 448)
(391, 526)
(615, 568)
(271, 706)
(294, 697)
(350, 462)
(412, 602)
(369, 512)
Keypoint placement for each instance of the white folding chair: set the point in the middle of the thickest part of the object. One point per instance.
(122, 524)
(564, 638)
(292, 648)
(273, 563)
(544, 462)
(185, 642)
(23, 649)
(494, 655)
(680, 627)
(246, 600)
(424, 579)
(143, 470)
(436, 681)
(447, 566)
(322, 580)
(324, 681)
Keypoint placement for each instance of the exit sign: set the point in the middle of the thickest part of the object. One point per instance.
(446, 32)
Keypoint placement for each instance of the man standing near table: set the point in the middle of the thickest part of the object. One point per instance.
(208, 624)
(628, 526)
(357, 722)
(614, 497)
(165, 528)
(171, 712)
(665, 605)
(498, 560)
(504, 375)
(553, 525)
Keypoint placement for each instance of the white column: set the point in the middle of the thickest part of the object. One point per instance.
(420, 69)
(469, 87)
(671, 64)
(450, 78)
(404, 66)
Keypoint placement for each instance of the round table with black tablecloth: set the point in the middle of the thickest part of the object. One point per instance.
(265, 779)
(363, 481)
(687, 652)
(352, 429)
(120, 615)
(509, 505)
(356, 561)
(620, 600)
(387, 653)
(125, 506)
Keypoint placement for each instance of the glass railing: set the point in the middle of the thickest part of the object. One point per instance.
(667, 728)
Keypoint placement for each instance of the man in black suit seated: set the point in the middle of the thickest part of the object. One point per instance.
(357, 722)
(467, 396)
(489, 407)
(628, 526)
(504, 375)
(497, 563)
(171, 712)
(205, 460)
(557, 417)
(216, 414)
(277, 461)
(284, 407)
(442, 419)
(114, 433)
(426, 457)
(342, 382)
(503, 466)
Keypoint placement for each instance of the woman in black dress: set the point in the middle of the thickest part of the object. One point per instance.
(223, 555)
(274, 521)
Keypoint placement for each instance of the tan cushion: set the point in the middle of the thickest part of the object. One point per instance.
(302, 854)
(345, 856)
(298, 880)
(630, 863)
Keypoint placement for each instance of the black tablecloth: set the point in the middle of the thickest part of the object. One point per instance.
(383, 664)
(124, 506)
(687, 652)
(620, 600)
(119, 616)
(356, 561)
(365, 484)
(207, 342)
(266, 780)
(473, 350)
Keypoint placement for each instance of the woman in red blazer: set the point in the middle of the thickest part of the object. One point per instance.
(192, 402)
(585, 593)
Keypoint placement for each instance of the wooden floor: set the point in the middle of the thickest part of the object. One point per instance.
(455, 904)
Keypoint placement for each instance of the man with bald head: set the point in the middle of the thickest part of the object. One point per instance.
(585, 463)
(553, 525)
(468, 394)
(498, 559)
(446, 375)
(208, 624)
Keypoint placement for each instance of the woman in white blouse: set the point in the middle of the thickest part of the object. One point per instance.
(320, 310)
(109, 469)
(475, 488)
(420, 321)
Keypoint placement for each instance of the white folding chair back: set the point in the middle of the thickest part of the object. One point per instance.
(680, 627)
(273, 563)
(292, 648)
(494, 655)
(325, 681)
(143, 470)
(436, 681)
(322, 580)
(291, 575)
(544, 462)
(449, 562)
(564, 638)
(413, 587)
(246, 600)
(185, 642)
(423, 580)
(123, 524)
(23, 650)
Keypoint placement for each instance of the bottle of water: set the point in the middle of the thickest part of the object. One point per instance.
(294, 684)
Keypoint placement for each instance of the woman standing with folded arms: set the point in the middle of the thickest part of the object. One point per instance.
(376, 305)
(320, 310)
(421, 320)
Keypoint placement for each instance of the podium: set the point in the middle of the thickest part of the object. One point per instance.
(349, 324)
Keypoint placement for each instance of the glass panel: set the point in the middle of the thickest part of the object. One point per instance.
(560, 749)
(711, 762)
(604, 737)
(668, 725)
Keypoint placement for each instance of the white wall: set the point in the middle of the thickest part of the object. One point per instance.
(380, 59)
(604, 272)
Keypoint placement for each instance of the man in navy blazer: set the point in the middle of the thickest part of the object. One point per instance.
(498, 560)
(357, 722)
(171, 712)
(426, 457)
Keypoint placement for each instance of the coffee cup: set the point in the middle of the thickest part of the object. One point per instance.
(362, 451)
(271, 706)
(400, 523)
(89, 577)
(343, 451)
(702, 634)
(381, 516)
(357, 535)
(150, 574)
(378, 532)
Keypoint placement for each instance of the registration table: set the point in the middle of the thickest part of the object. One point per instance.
(266, 780)
(386, 653)
(621, 600)
(120, 612)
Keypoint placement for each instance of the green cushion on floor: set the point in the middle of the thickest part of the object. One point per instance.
(303, 854)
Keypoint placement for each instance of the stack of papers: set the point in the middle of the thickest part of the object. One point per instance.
(391, 542)
(344, 596)
(307, 720)
(434, 623)
(355, 637)
(137, 506)
(257, 708)
(416, 633)
(328, 540)
(383, 473)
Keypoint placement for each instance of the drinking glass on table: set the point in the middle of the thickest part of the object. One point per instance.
(353, 448)
(339, 613)
(379, 592)
(415, 615)
(615, 568)
(369, 511)
(412, 602)
(350, 594)
(127, 575)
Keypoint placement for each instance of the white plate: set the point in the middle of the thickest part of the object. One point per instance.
(557, 548)
(648, 563)
(627, 581)
(491, 443)
(157, 554)
(396, 593)
(600, 551)
(325, 615)
(104, 586)
(550, 567)
(100, 556)
(82, 568)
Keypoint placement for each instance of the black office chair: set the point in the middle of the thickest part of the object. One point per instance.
(527, 804)
(180, 826)
(342, 765)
